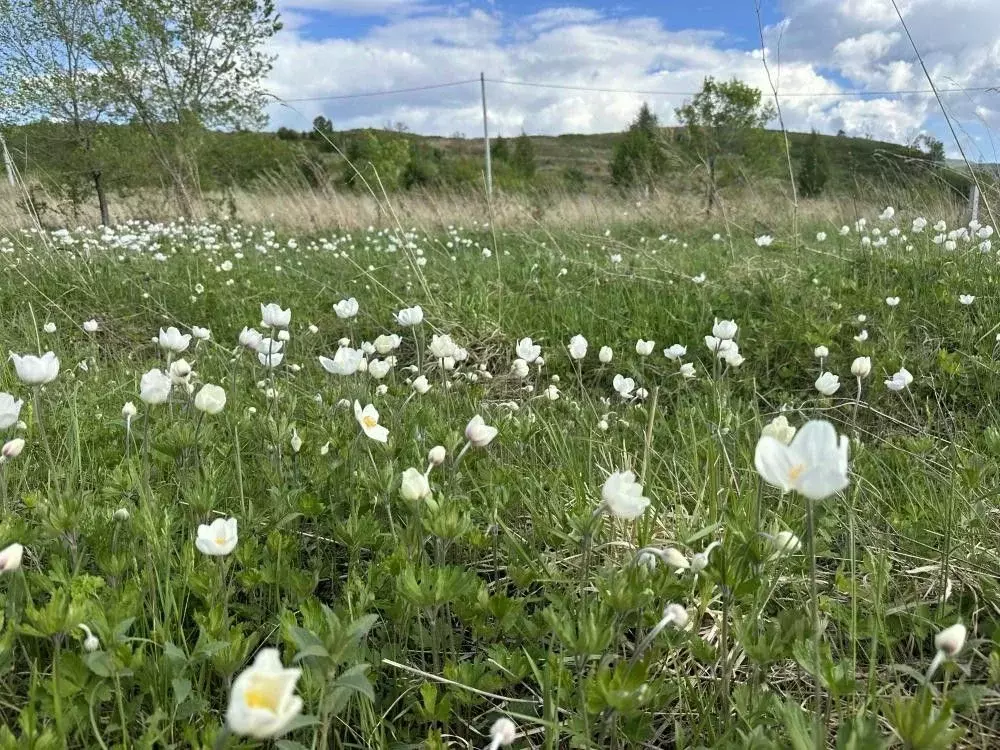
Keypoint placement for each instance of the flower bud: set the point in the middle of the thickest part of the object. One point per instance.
(437, 455)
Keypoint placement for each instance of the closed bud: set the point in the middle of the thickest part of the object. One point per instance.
(437, 455)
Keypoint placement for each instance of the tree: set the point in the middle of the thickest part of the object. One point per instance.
(178, 67)
(814, 169)
(322, 126)
(930, 146)
(719, 123)
(46, 73)
(523, 160)
(499, 151)
(639, 158)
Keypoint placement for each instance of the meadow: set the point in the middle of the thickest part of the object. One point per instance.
(489, 486)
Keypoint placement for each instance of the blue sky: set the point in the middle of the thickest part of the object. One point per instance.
(336, 48)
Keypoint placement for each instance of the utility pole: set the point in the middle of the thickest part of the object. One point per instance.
(486, 140)
(7, 162)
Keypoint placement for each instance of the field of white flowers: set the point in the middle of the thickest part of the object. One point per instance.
(470, 488)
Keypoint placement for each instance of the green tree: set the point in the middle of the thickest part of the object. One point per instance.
(499, 150)
(639, 158)
(46, 73)
(179, 67)
(523, 159)
(814, 169)
(719, 124)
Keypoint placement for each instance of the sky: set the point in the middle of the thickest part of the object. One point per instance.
(658, 51)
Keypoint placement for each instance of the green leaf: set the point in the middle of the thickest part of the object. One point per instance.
(99, 662)
(182, 689)
(356, 679)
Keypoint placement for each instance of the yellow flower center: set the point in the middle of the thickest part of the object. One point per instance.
(261, 697)
(795, 472)
(369, 422)
(220, 540)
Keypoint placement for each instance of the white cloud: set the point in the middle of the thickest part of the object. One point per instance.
(824, 46)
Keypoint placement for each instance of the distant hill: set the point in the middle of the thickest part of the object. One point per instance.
(45, 151)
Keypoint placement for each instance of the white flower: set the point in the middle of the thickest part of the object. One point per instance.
(10, 411)
(785, 543)
(91, 642)
(91, 326)
(210, 399)
(688, 371)
(527, 350)
(732, 357)
(172, 340)
(296, 441)
(384, 344)
(32, 370)
(814, 464)
(368, 419)
(442, 346)
(346, 361)
(129, 411)
(49, 327)
(502, 733)
(410, 316)
(478, 433)
(862, 337)
(520, 368)
(675, 352)
(605, 355)
(966, 299)
(900, 380)
(154, 387)
(827, 383)
(918, 225)
(622, 496)
(578, 347)
(821, 352)
(437, 455)
(779, 429)
(948, 643)
(217, 538)
(674, 558)
(821, 236)
(892, 301)
(263, 702)
(313, 328)
(675, 615)
(700, 560)
(202, 334)
(379, 368)
(270, 361)
(724, 329)
(10, 558)
(764, 240)
(250, 338)
(861, 367)
(887, 214)
(552, 393)
(272, 316)
(624, 386)
(346, 308)
(845, 230)
(420, 384)
(414, 486)
(644, 348)
(179, 371)
(11, 449)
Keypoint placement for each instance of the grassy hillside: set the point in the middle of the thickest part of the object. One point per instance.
(61, 173)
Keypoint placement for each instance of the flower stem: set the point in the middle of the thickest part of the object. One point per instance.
(816, 636)
(41, 426)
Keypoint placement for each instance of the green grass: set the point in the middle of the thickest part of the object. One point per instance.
(418, 624)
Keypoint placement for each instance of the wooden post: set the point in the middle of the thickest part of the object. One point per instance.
(486, 140)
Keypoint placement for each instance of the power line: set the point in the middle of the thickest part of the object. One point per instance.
(660, 92)
(645, 92)
(386, 92)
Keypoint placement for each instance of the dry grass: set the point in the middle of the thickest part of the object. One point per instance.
(764, 207)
